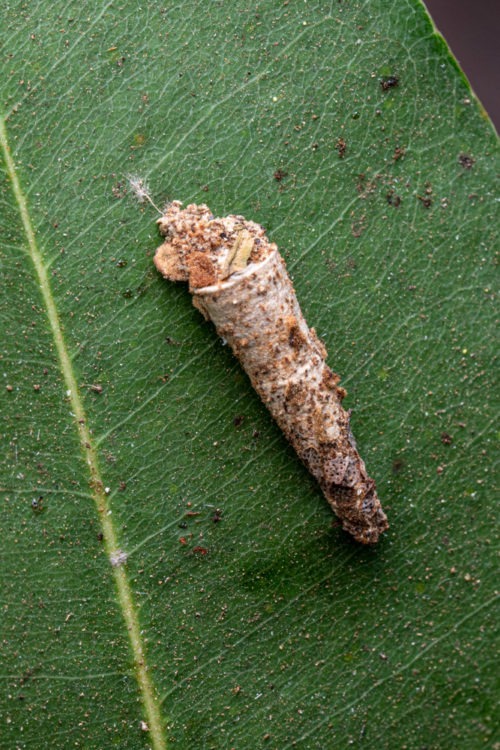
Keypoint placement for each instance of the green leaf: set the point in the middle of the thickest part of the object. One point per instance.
(243, 616)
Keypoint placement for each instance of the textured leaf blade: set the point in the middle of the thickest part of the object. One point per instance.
(267, 621)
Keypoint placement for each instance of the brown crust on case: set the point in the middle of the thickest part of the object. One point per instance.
(201, 271)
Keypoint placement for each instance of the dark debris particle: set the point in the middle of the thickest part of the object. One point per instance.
(360, 185)
(119, 190)
(122, 263)
(393, 200)
(426, 202)
(398, 153)
(466, 161)
(183, 525)
(341, 147)
(397, 465)
(217, 516)
(279, 175)
(389, 83)
(446, 439)
(237, 421)
(37, 504)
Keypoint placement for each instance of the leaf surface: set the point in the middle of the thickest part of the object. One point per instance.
(165, 561)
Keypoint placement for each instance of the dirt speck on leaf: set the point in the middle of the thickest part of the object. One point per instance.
(389, 83)
(217, 516)
(397, 465)
(279, 175)
(393, 200)
(341, 147)
(466, 161)
(358, 227)
(426, 201)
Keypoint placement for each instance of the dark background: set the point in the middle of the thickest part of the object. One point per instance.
(472, 31)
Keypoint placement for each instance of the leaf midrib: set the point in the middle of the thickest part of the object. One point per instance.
(88, 447)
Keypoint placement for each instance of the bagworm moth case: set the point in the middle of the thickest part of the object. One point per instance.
(239, 281)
